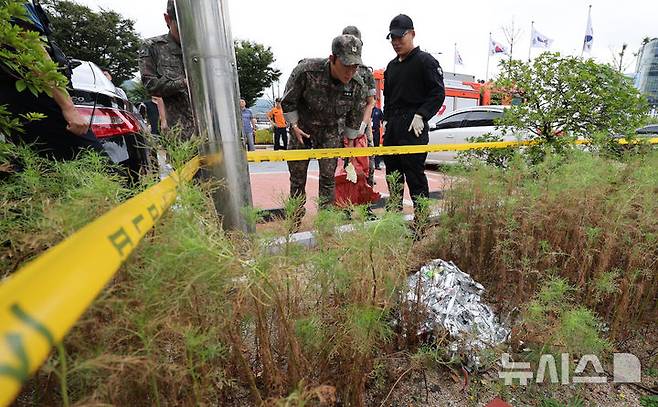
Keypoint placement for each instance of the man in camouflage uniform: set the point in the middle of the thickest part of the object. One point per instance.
(323, 102)
(163, 74)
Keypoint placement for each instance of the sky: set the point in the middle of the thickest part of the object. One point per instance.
(297, 29)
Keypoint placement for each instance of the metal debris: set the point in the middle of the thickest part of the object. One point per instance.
(451, 299)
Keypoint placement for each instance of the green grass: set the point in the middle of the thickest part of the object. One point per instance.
(201, 316)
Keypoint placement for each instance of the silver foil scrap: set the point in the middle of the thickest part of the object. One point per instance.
(451, 299)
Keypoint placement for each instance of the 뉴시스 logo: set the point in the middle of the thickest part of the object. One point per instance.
(626, 369)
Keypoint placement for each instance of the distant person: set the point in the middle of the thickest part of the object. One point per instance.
(64, 132)
(163, 74)
(322, 104)
(279, 123)
(248, 125)
(413, 93)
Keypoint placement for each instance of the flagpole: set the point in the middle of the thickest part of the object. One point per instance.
(532, 33)
(486, 77)
(454, 60)
(589, 16)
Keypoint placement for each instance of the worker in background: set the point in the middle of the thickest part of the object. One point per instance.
(248, 126)
(413, 93)
(279, 125)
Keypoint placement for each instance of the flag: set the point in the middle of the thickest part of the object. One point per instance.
(589, 34)
(458, 58)
(539, 40)
(496, 47)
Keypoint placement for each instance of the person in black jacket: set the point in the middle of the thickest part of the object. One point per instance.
(413, 93)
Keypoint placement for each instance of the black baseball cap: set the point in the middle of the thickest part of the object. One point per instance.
(399, 25)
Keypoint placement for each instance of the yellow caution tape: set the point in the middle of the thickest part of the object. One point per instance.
(320, 153)
(638, 141)
(43, 300)
(301, 155)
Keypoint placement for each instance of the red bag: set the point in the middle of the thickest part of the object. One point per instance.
(359, 193)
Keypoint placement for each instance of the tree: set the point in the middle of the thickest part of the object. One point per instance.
(254, 70)
(570, 96)
(512, 34)
(104, 37)
(137, 93)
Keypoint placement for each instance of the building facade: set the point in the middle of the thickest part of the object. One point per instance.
(646, 72)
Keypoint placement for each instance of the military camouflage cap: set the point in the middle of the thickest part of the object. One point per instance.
(352, 30)
(171, 9)
(348, 49)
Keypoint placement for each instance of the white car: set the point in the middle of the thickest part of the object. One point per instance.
(457, 126)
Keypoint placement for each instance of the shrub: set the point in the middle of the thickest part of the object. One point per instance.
(264, 136)
(586, 219)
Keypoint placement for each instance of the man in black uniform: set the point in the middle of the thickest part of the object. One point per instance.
(413, 93)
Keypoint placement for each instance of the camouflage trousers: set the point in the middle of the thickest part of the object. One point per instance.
(320, 138)
(179, 116)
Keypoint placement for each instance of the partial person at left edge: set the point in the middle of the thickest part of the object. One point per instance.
(64, 132)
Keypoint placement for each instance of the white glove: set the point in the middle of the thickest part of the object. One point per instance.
(384, 127)
(417, 124)
(362, 128)
(351, 173)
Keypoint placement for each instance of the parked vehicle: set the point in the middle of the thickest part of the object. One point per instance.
(463, 124)
(648, 131)
(641, 135)
(114, 120)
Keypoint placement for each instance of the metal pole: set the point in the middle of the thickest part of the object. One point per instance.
(454, 60)
(211, 68)
(486, 77)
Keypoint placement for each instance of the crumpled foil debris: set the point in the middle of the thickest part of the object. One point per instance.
(451, 299)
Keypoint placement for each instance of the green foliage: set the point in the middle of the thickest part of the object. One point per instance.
(607, 283)
(42, 201)
(497, 157)
(367, 328)
(138, 93)
(254, 70)
(649, 401)
(264, 136)
(569, 96)
(104, 37)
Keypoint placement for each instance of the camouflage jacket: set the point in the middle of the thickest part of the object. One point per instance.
(368, 79)
(163, 74)
(315, 100)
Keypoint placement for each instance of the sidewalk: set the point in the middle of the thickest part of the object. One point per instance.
(270, 186)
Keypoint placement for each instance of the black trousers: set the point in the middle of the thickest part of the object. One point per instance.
(280, 133)
(375, 142)
(48, 137)
(409, 167)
